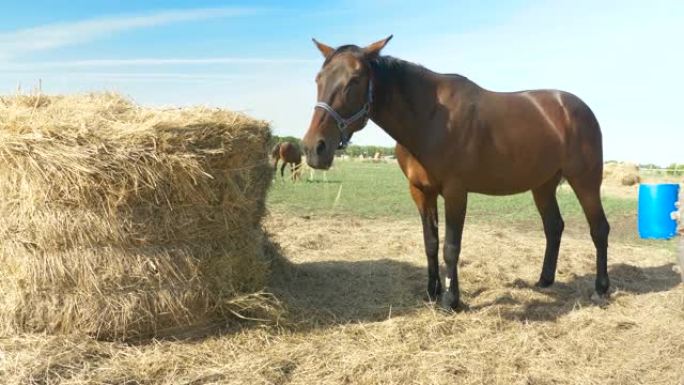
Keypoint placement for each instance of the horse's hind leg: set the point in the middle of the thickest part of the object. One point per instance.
(282, 170)
(588, 190)
(294, 169)
(545, 199)
(426, 201)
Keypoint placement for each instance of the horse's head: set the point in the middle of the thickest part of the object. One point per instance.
(345, 91)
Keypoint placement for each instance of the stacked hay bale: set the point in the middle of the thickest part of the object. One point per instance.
(121, 221)
(625, 174)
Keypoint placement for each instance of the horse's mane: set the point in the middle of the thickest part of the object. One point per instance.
(391, 66)
(387, 66)
(388, 69)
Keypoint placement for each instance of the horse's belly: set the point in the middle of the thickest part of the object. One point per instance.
(508, 179)
(498, 187)
(498, 190)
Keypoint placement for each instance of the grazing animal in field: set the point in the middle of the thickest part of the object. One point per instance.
(455, 137)
(290, 154)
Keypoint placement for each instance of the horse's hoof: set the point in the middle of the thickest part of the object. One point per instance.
(600, 299)
(544, 282)
(602, 286)
(430, 298)
(434, 291)
(427, 298)
(450, 302)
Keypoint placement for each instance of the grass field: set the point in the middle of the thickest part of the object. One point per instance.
(349, 273)
(380, 190)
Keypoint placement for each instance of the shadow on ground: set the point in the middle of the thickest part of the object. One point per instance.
(564, 297)
(338, 292)
(328, 293)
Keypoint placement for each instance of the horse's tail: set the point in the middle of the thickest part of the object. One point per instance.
(275, 155)
(275, 151)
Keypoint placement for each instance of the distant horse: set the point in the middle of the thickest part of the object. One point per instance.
(290, 154)
(455, 137)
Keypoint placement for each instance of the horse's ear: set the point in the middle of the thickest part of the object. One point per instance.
(375, 48)
(325, 49)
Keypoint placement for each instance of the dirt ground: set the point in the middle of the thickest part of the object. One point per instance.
(352, 289)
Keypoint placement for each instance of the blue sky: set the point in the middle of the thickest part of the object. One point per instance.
(624, 58)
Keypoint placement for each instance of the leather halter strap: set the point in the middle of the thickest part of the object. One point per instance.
(344, 123)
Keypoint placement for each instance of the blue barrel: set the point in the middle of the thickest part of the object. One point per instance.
(656, 205)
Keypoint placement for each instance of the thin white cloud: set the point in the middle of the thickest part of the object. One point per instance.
(50, 36)
(148, 62)
(151, 76)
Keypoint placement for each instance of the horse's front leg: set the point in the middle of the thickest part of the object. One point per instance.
(426, 201)
(455, 203)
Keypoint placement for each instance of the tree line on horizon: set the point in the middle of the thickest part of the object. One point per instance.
(369, 151)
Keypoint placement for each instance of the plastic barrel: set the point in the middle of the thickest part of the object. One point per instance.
(656, 205)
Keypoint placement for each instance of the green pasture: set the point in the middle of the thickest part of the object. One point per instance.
(380, 190)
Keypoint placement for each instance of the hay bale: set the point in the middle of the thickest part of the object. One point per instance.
(624, 174)
(121, 221)
(629, 180)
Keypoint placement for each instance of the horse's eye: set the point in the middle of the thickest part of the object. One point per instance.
(351, 84)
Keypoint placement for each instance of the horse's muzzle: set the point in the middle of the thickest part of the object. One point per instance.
(320, 155)
(319, 162)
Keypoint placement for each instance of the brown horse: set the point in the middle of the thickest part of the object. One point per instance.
(290, 154)
(454, 137)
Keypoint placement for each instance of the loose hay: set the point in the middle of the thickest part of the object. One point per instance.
(356, 318)
(120, 221)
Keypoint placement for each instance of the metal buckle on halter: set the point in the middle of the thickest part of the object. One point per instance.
(344, 138)
(344, 123)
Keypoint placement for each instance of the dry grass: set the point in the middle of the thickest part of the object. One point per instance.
(352, 289)
(120, 221)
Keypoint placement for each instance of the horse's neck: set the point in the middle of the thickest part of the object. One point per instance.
(404, 104)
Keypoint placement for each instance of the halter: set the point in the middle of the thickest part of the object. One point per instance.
(343, 123)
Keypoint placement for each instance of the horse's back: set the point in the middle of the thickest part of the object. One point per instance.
(577, 127)
(564, 113)
(510, 142)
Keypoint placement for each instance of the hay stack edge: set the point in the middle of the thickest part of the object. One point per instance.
(120, 221)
